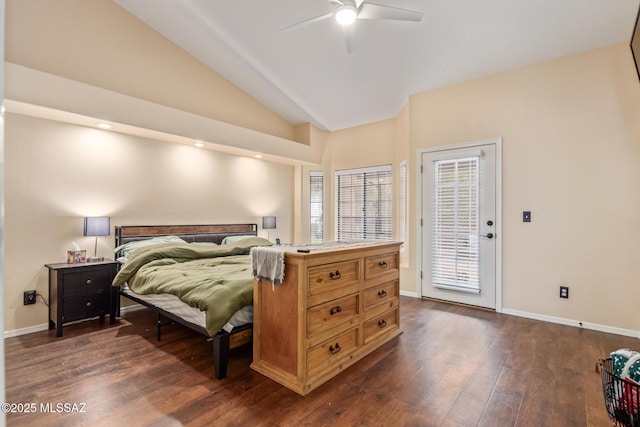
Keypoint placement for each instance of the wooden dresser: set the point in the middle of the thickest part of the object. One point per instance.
(333, 308)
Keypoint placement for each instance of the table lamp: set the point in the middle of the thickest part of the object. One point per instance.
(96, 226)
(268, 223)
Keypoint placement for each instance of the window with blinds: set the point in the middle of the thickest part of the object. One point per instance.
(316, 197)
(364, 203)
(456, 262)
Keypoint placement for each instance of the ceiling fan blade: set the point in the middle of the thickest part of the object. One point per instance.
(378, 11)
(350, 37)
(307, 22)
(354, 3)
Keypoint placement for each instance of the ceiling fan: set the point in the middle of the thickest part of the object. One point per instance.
(347, 11)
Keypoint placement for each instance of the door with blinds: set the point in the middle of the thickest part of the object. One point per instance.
(459, 225)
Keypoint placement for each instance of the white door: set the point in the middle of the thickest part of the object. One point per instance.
(459, 225)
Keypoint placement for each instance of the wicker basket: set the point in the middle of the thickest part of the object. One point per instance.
(621, 398)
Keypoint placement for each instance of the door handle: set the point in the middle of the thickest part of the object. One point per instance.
(488, 235)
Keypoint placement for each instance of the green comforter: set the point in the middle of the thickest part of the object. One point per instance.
(216, 279)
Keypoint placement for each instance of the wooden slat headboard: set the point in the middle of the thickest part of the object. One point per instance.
(214, 233)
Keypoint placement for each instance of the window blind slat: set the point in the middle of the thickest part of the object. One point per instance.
(456, 225)
(364, 203)
(316, 196)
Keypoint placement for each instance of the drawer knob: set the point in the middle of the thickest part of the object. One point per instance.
(383, 264)
(335, 276)
(382, 323)
(382, 294)
(335, 350)
(88, 281)
(335, 310)
(88, 303)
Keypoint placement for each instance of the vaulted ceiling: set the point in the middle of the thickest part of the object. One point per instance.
(307, 74)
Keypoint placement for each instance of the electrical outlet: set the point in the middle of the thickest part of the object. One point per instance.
(564, 292)
(526, 216)
(29, 297)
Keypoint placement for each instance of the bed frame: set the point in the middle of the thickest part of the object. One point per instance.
(223, 341)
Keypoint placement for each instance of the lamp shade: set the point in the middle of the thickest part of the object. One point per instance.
(268, 222)
(96, 226)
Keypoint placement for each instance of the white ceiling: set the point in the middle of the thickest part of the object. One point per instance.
(306, 75)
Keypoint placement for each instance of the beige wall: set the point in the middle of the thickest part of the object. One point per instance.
(57, 173)
(358, 147)
(571, 155)
(99, 43)
(362, 146)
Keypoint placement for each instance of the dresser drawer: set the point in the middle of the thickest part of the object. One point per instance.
(380, 265)
(83, 306)
(332, 313)
(326, 277)
(380, 294)
(332, 351)
(380, 325)
(86, 281)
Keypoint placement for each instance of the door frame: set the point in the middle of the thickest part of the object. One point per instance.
(498, 190)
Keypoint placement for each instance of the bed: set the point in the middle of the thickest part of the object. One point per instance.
(154, 257)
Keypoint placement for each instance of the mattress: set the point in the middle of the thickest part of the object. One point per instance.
(174, 305)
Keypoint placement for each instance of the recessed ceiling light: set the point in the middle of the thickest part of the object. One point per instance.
(346, 14)
(104, 126)
(199, 144)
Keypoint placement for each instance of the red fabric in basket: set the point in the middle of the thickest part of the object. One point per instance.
(629, 400)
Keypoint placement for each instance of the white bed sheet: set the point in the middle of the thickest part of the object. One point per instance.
(174, 305)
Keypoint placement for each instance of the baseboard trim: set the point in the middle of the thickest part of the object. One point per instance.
(574, 323)
(45, 326)
(25, 331)
(408, 294)
(558, 320)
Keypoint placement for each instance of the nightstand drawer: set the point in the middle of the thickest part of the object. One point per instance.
(83, 306)
(86, 281)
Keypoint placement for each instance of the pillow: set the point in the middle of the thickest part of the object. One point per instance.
(626, 364)
(128, 248)
(204, 243)
(232, 239)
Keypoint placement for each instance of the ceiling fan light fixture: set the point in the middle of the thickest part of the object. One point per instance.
(346, 14)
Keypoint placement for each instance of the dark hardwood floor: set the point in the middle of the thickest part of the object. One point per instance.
(453, 366)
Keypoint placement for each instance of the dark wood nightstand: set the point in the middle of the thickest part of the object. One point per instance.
(80, 291)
